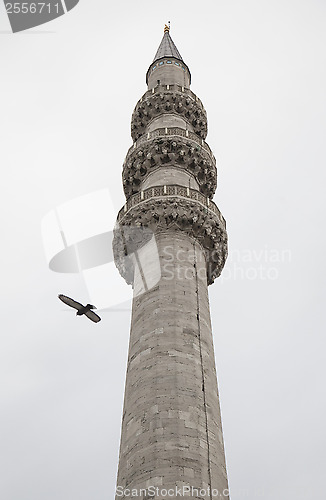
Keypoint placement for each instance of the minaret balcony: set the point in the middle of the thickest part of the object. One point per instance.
(171, 99)
(173, 147)
(176, 208)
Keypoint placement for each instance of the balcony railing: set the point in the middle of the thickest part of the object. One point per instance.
(172, 131)
(171, 190)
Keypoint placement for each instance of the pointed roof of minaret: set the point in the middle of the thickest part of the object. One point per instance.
(167, 47)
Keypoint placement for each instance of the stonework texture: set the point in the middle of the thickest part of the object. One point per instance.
(171, 434)
(179, 102)
(175, 151)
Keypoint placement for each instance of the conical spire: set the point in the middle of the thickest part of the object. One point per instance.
(167, 47)
(158, 72)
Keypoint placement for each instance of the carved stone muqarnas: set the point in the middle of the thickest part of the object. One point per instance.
(176, 151)
(170, 213)
(183, 104)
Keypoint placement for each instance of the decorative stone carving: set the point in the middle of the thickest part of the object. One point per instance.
(175, 151)
(136, 226)
(171, 190)
(178, 103)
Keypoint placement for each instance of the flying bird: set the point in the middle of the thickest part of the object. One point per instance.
(81, 310)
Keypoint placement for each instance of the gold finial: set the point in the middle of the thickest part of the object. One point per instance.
(167, 27)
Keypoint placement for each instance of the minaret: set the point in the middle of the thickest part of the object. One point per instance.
(171, 437)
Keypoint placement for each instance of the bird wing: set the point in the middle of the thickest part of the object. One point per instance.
(70, 302)
(92, 316)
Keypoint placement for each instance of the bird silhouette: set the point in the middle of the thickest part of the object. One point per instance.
(81, 310)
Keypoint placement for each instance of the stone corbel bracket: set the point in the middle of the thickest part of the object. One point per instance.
(175, 151)
(170, 213)
(179, 103)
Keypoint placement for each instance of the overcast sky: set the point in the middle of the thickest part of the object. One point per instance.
(68, 90)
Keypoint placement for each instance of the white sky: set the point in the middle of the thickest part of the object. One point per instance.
(67, 95)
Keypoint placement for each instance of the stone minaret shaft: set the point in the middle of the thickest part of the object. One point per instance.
(170, 243)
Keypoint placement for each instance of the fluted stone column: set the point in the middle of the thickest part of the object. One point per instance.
(170, 243)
